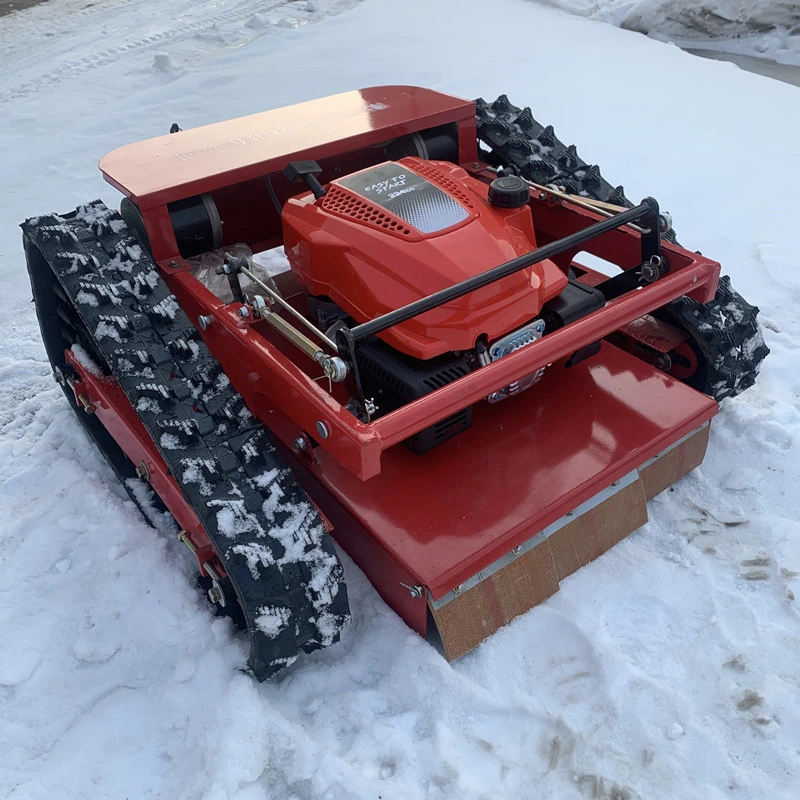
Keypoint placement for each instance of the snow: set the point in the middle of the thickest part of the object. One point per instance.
(86, 361)
(761, 28)
(667, 668)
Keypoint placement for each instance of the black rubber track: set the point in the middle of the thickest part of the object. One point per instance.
(724, 333)
(269, 537)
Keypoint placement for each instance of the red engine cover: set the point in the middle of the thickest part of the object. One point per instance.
(389, 235)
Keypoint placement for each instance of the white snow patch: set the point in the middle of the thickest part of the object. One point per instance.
(233, 519)
(95, 646)
(760, 28)
(16, 666)
(86, 299)
(193, 471)
(106, 329)
(271, 620)
(265, 478)
(256, 554)
(162, 62)
(167, 308)
(86, 361)
(742, 479)
(169, 441)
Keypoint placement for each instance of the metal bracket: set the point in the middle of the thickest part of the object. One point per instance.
(232, 267)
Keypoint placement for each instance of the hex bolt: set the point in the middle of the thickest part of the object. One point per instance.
(300, 444)
(87, 406)
(516, 550)
(322, 430)
(204, 321)
(142, 472)
(458, 589)
(58, 376)
(243, 312)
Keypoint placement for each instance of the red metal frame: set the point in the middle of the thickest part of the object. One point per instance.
(524, 462)
(173, 167)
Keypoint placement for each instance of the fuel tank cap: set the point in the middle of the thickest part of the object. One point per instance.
(510, 191)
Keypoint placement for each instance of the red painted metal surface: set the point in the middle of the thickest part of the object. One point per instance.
(391, 579)
(267, 377)
(368, 270)
(437, 519)
(265, 373)
(524, 464)
(184, 164)
(241, 152)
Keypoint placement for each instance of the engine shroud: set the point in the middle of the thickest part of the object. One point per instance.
(389, 235)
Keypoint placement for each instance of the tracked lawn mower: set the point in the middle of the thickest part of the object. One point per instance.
(440, 381)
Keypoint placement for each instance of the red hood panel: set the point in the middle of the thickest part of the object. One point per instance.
(389, 235)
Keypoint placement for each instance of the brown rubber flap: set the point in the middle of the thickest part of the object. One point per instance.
(475, 613)
(478, 612)
(598, 530)
(665, 469)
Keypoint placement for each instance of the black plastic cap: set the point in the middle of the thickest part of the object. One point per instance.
(510, 191)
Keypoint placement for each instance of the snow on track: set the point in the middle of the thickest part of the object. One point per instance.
(666, 669)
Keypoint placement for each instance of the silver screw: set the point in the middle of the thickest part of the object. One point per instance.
(516, 550)
(142, 472)
(300, 444)
(204, 321)
(215, 595)
(58, 376)
(457, 590)
(322, 430)
(244, 312)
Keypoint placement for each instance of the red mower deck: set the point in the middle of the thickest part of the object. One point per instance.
(569, 464)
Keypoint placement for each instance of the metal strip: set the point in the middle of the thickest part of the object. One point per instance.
(535, 540)
(674, 445)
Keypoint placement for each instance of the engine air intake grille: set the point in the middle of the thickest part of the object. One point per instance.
(398, 189)
(435, 174)
(346, 204)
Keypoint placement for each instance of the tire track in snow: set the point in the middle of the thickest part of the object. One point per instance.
(180, 29)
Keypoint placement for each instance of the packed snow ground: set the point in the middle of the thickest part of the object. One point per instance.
(762, 28)
(668, 668)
